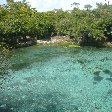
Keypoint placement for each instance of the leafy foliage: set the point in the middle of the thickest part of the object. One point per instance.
(4, 60)
(88, 27)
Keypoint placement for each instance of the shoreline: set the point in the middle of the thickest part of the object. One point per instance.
(65, 40)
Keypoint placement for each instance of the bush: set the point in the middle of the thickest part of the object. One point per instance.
(87, 27)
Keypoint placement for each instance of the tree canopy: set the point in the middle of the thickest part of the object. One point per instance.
(88, 27)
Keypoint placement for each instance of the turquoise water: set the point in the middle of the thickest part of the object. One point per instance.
(58, 79)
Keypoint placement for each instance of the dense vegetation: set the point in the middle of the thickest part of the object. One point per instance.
(19, 22)
(4, 60)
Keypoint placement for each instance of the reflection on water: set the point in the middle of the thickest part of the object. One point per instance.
(57, 79)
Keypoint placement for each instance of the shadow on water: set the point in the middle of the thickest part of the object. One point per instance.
(82, 61)
(6, 107)
(23, 58)
(108, 72)
(104, 59)
(49, 102)
(109, 92)
(98, 78)
(109, 79)
(20, 66)
(97, 73)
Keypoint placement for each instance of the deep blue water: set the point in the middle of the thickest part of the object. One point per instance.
(58, 79)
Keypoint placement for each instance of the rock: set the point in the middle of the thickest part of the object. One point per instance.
(60, 39)
(96, 71)
(3, 106)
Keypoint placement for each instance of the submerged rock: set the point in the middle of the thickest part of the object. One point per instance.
(98, 78)
(106, 71)
(96, 71)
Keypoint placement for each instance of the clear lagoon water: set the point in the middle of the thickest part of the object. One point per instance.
(58, 79)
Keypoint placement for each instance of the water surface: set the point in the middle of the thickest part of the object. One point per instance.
(58, 79)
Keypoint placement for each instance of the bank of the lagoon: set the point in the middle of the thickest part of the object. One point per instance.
(58, 79)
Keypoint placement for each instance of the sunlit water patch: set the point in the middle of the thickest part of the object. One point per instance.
(57, 79)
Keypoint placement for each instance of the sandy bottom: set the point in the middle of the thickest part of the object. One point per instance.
(57, 79)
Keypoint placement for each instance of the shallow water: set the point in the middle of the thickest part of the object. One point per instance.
(58, 79)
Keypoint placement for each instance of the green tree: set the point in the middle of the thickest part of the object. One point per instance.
(87, 6)
(10, 1)
(88, 27)
(75, 5)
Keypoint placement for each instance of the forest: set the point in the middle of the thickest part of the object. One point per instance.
(20, 22)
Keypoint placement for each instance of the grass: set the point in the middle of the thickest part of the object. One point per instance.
(63, 44)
